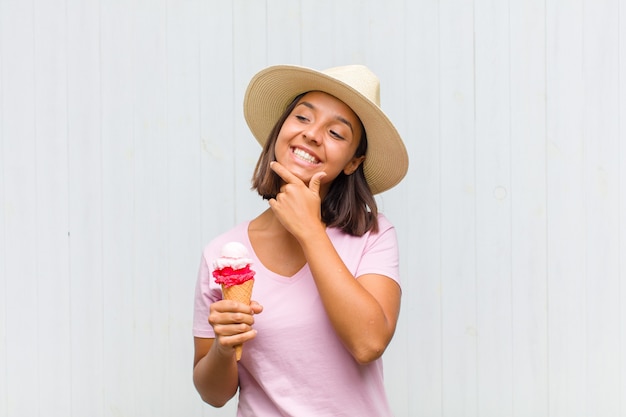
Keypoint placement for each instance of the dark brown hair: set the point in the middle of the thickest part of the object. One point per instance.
(349, 204)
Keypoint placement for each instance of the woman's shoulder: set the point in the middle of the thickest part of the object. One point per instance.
(383, 222)
(385, 227)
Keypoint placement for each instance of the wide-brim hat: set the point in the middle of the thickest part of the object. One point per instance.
(271, 90)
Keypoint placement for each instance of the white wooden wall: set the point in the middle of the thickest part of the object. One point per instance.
(123, 150)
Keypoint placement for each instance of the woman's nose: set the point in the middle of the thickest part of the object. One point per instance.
(313, 134)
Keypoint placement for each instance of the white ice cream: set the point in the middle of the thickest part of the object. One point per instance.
(234, 255)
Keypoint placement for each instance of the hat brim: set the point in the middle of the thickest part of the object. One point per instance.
(271, 90)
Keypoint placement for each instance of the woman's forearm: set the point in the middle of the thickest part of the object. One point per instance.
(215, 377)
(364, 314)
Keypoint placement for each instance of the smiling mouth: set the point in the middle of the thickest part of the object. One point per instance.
(305, 156)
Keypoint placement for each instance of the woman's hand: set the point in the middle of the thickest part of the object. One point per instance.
(232, 322)
(298, 206)
(215, 371)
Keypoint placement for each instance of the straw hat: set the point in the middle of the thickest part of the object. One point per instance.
(271, 90)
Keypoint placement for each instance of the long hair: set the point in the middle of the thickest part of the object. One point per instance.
(349, 204)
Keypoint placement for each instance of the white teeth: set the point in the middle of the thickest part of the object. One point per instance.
(304, 156)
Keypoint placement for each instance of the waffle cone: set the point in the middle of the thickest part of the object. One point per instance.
(243, 294)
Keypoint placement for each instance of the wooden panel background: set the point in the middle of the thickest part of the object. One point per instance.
(123, 150)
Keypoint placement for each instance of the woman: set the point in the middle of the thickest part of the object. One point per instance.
(327, 287)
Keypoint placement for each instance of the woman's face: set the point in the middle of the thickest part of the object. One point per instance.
(320, 134)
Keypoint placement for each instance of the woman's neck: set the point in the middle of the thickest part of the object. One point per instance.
(275, 247)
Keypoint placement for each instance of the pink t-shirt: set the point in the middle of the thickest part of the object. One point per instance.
(297, 366)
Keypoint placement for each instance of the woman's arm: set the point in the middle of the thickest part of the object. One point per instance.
(363, 311)
(215, 372)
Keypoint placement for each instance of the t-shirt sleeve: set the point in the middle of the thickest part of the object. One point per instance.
(205, 294)
(207, 291)
(380, 254)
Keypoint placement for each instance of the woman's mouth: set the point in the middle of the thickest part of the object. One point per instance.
(304, 155)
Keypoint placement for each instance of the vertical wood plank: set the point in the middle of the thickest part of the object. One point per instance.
(458, 211)
(53, 285)
(622, 205)
(117, 112)
(421, 245)
(385, 46)
(85, 207)
(528, 208)
(600, 50)
(386, 42)
(423, 140)
(4, 398)
(20, 132)
(184, 202)
(150, 211)
(20, 144)
(218, 114)
(383, 55)
(317, 34)
(493, 208)
(217, 120)
(249, 56)
(567, 309)
(284, 32)
(350, 23)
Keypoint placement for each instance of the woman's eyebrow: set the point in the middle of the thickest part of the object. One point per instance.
(338, 117)
(341, 119)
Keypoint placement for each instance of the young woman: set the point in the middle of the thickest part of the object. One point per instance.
(327, 286)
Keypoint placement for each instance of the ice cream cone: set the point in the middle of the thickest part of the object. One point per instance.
(243, 294)
(232, 271)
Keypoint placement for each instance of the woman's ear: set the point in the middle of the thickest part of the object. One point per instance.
(353, 164)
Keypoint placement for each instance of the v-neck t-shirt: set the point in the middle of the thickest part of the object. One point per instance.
(297, 365)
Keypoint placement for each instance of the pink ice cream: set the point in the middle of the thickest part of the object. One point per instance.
(233, 265)
(232, 271)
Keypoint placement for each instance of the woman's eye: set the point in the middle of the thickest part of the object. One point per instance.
(335, 134)
(301, 118)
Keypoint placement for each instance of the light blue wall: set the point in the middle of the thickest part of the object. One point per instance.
(123, 150)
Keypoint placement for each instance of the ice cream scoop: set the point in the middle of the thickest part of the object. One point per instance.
(233, 265)
(232, 271)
